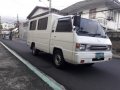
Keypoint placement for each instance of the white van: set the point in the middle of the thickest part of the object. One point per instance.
(69, 39)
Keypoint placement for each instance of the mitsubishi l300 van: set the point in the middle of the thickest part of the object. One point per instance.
(69, 39)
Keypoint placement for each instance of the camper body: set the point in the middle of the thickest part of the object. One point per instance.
(60, 36)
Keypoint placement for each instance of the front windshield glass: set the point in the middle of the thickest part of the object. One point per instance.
(90, 28)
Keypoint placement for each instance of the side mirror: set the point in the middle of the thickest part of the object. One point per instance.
(76, 21)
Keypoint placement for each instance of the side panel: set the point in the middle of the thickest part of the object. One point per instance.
(65, 42)
(41, 37)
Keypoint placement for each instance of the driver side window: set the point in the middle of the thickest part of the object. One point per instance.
(64, 26)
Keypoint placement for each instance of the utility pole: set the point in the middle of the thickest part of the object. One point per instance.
(118, 21)
(0, 20)
(50, 5)
(17, 24)
(0, 24)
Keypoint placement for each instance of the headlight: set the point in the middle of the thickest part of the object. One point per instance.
(109, 47)
(80, 47)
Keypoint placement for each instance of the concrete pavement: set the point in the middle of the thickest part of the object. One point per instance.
(14, 75)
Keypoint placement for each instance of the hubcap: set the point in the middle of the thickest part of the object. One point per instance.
(33, 50)
(58, 60)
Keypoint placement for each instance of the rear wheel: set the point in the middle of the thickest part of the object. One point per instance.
(35, 51)
(59, 61)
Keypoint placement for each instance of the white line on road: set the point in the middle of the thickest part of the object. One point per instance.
(51, 82)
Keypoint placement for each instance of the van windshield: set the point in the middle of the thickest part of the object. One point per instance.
(90, 28)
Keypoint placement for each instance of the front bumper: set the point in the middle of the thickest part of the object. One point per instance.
(90, 57)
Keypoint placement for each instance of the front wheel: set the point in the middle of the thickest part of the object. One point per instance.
(59, 61)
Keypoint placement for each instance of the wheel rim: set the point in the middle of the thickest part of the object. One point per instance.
(33, 50)
(58, 60)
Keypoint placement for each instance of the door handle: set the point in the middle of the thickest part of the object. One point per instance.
(52, 30)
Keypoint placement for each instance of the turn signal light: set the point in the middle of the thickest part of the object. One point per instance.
(77, 45)
(82, 61)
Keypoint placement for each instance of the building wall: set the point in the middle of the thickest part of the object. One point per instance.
(23, 28)
(39, 11)
(98, 14)
(86, 15)
(102, 18)
(7, 25)
(114, 24)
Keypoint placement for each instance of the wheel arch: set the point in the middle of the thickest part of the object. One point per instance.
(32, 45)
(56, 48)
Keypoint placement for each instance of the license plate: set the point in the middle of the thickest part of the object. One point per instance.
(99, 55)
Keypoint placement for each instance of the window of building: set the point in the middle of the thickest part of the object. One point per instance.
(92, 13)
(64, 25)
(33, 25)
(112, 15)
(42, 23)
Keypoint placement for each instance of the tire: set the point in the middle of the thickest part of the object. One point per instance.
(35, 51)
(58, 58)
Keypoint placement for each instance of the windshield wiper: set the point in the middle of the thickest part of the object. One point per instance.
(83, 31)
(79, 32)
(93, 35)
(104, 36)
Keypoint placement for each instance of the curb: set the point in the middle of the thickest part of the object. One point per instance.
(51, 82)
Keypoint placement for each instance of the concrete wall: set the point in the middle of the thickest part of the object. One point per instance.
(98, 14)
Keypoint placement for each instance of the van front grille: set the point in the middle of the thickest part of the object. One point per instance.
(94, 47)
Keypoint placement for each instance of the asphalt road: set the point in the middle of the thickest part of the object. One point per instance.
(101, 76)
